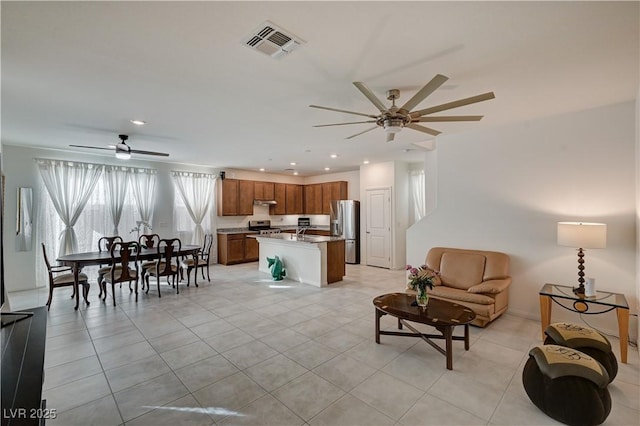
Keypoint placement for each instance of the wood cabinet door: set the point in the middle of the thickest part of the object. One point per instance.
(279, 194)
(229, 199)
(235, 248)
(295, 204)
(245, 197)
(333, 191)
(258, 189)
(251, 249)
(268, 190)
(309, 199)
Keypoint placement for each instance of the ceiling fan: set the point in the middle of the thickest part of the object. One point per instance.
(393, 119)
(122, 150)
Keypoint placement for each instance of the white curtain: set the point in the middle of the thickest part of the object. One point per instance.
(117, 180)
(69, 184)
(417, 187)
(196, 192)
(143, 183)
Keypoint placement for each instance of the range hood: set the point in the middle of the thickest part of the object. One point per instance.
(264, 202)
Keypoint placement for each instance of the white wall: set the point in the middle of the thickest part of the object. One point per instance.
(504, 189)
(21, 171)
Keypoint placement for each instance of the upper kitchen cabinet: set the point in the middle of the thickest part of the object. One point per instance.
(235, 197)
(313, 198)
(264, 191)
(280, 195)
(333, 191)
(246, 196)
(294, 197)
(228, 197)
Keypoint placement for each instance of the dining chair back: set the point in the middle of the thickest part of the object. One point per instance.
(104, 244)
(166, 264)
(124, 266)
(62, 276)
(202, 261)
(149, 240)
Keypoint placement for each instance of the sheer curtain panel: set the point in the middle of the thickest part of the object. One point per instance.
(143, 183)
(196, 192)
(117, 181)
(417, 187)
(69, 185)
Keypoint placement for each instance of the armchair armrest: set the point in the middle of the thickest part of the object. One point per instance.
(491, 286)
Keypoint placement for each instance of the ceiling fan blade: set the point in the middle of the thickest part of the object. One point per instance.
(345, 111)
(455, 104)
(428, 89)
(358, 134)
(137, 151)
(423, 129)
(369, 94)
(92, 147)
(449, 118)
(342, 124)
(390, 137)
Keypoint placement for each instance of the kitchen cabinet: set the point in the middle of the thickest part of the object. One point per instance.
(280, 195)
(313, 199)
(236, 248)
(333, 191)
(264, 190)
(245, 197)
(294, 199)
(228, 198)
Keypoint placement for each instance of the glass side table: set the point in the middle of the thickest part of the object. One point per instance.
(603, 301)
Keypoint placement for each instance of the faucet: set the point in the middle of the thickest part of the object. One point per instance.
(300, 231)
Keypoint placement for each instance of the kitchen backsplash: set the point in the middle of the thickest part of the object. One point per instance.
(262, 213)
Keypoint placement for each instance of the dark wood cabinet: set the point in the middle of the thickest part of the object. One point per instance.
(237, 248)
(280, 195)
(332, 191)
(264, 190)
(245, 197)
(228, 198)
(294, 199)
(313, 199)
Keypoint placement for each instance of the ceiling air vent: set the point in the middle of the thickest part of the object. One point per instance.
(272, 40)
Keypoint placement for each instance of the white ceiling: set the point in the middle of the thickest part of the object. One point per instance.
(75, 73)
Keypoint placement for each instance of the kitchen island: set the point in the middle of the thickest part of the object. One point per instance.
(310, 259)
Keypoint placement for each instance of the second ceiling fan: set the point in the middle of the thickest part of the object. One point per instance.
(393, 119)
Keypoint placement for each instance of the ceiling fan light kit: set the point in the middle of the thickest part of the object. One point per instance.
(393, 119)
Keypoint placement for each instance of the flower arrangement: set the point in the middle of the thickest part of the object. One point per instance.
(422, 277)
(140, 224)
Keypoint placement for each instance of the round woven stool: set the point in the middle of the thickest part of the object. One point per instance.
(567, 385)
(586, 340)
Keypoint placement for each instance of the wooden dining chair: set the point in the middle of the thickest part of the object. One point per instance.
(104, 244)
(147, 241)
(202, 261)
(166, 264)
(123, 255)
(62, 276)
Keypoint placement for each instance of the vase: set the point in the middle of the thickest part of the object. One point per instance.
(422, 298)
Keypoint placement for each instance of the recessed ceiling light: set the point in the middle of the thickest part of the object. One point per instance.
(334, 155)
(262, 169)
(295, 173)
(365, 162)
(326, 169)
(138, 122)
(293, 163)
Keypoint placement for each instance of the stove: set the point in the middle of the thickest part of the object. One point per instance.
(264, 226)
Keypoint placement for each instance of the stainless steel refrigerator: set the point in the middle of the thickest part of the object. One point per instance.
(345, 223)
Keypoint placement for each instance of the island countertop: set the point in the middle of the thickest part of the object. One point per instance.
(310, 239)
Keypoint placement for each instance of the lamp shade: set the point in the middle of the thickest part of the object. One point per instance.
(582, 234)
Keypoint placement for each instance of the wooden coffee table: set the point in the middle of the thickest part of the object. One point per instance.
(444, 316)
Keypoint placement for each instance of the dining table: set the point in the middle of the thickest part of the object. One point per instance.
(77, 261)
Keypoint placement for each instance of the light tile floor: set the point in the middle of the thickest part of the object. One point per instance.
(245, 350)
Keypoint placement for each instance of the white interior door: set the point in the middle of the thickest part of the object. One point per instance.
(378, 228)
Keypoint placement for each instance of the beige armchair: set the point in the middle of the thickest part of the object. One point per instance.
(474, 278)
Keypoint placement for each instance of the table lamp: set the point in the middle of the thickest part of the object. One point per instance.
(582, 235)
